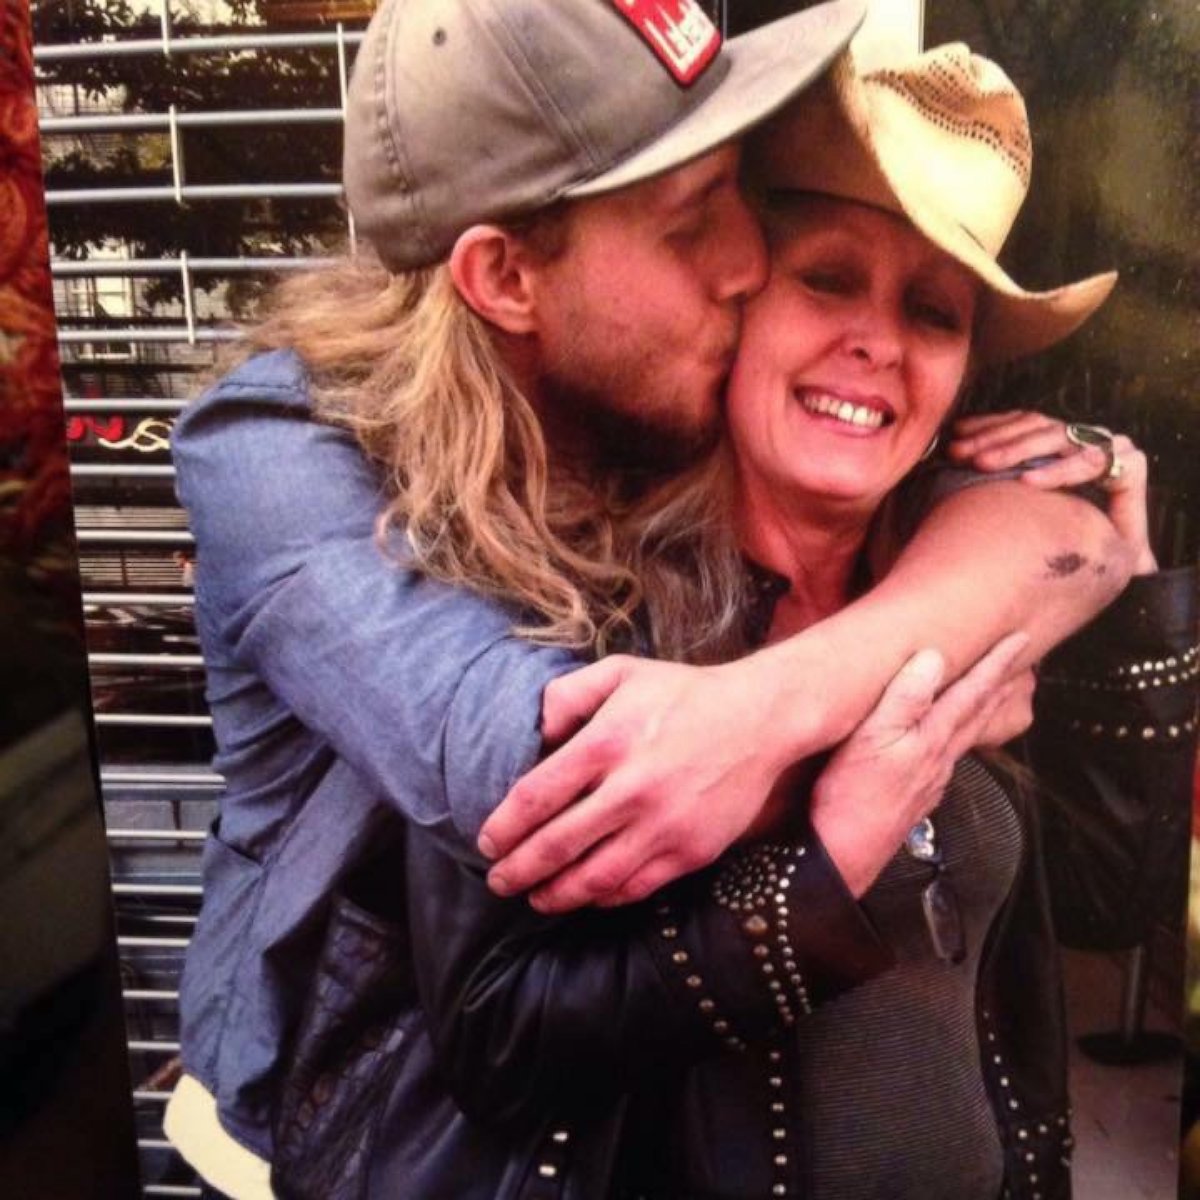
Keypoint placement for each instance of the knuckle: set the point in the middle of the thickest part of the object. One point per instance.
(602, 879)
(637, 889)
(629, 893)
(671, 829)
(691, 855)
(521, 794)
(524, 802)
(670, 866)
(555, 898)
(537, 807)
(626, 803)
(655, 878)
(685, 846)
(553, 849)
(615, 736)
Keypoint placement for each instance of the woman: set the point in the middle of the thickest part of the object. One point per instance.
(866, 1003)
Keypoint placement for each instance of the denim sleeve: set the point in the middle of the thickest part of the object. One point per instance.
(417, 685)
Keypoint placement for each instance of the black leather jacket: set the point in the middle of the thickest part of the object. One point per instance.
(469, 1048)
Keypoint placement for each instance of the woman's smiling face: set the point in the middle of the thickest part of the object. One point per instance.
(850, 358)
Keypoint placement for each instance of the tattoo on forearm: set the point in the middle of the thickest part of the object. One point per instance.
(1062, 565)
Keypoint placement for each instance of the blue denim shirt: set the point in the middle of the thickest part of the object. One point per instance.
(342, 685)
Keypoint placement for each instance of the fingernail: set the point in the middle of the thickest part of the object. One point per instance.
(927, 665)
(499, 885)
(486, 846)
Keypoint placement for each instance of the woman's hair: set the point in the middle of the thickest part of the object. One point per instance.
(406, 365)
(683, 547)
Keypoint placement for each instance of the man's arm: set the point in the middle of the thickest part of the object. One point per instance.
(677, 762)
(419, 686)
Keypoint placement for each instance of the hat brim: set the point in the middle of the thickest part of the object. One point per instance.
(766, 68)
(824, 144)
(1012, 321)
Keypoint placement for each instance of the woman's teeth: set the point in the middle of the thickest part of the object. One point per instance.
(843, 410)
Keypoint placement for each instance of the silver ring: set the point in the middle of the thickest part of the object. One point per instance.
(1085, 436)
(1079, 434)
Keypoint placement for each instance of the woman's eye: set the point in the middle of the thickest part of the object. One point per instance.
(939, 316)
(688, 232)
(833, 283)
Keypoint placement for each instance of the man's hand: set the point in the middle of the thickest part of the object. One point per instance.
(893, 769)
(673, 765)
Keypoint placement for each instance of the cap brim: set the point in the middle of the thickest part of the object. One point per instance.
(766, 68)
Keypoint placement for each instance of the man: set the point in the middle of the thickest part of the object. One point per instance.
(554, 191)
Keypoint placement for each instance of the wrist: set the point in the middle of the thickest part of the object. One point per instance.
(859, 844)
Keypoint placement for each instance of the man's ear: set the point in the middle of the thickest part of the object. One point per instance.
(491, 269)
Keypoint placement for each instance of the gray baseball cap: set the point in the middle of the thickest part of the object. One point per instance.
(468, 111)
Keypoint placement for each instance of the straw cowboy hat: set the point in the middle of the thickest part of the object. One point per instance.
(943, 140)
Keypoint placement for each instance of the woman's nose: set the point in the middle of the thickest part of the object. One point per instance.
(874, 338)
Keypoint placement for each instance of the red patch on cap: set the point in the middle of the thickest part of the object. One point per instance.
(679, 32)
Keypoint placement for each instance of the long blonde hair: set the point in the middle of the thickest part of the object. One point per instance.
(410, 368)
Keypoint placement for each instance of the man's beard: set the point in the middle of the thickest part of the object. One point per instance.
(585, 426)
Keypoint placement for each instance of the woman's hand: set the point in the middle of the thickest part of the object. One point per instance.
(1001, 441)
(893, 769)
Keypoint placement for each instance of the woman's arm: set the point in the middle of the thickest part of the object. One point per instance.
(986, 561)
(522, 1007)
(1113, 748)
(1008, 440)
